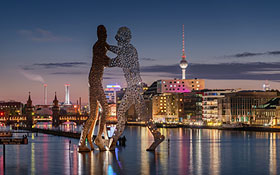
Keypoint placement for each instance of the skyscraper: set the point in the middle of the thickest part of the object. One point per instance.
(183, 62)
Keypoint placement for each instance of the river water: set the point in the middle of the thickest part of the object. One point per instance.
(189, 151)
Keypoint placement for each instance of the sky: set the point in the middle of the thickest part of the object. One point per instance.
(230, 44)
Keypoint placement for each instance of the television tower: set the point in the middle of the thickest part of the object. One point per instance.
(183, 62)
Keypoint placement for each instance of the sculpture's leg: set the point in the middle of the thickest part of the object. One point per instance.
(102, 122)
(91, 130)
(158, 137)
(106, 137)
(124, 106)
(142, 112)
(82, 146)
(88, 124)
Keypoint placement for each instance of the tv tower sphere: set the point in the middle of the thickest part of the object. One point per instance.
(183, 64)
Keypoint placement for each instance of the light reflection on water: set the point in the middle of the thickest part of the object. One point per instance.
(190, 151)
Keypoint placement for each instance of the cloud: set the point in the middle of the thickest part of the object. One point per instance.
(59, 65)
(252, 54)
(246, 54)
(250, 71)
(42, 35)
(148, 59)
(274, 53)
(33, 77)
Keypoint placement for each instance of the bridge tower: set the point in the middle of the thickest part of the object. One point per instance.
(55, 110)
(29, 112)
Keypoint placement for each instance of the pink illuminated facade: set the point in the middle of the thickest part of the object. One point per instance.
(179, 85)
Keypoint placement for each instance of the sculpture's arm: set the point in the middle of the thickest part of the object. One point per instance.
(106, 61)
(115, 62)
(114, 49)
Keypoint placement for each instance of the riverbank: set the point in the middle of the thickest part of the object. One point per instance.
(52, 132)
(77, 135)
(245, 128)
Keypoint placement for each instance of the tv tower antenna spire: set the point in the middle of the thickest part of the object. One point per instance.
(183, 62)
(183, 50)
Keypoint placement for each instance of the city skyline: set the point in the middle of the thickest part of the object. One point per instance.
(230, 45)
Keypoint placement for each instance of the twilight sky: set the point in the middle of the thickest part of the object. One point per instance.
(231, 44)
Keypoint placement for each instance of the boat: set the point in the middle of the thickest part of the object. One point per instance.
(232, 126)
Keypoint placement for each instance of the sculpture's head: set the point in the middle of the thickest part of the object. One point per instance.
(101, 33)
(123, 36)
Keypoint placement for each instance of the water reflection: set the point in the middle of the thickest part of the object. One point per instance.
(190, 151)
(214, 157)
(33, 158)
(97, 163)
(199, 153)
(272, 154)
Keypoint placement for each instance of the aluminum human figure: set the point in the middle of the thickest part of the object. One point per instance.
(127, 59)
(97, 95)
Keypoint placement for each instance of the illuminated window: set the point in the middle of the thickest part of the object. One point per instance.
(181, 99)
(163, 81)
(174, 85)
(170, 85)
(198, 85)
(178, 82)
(197, 81)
